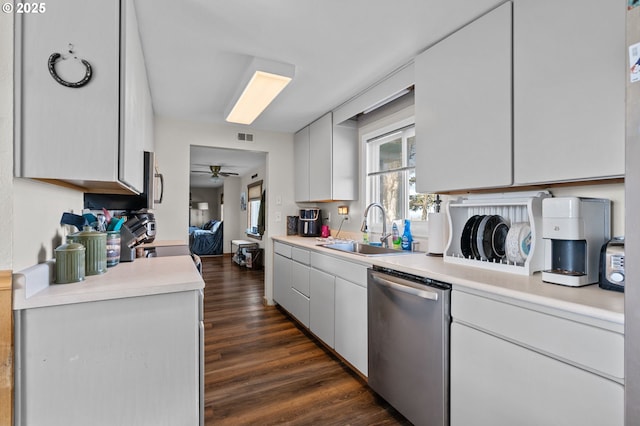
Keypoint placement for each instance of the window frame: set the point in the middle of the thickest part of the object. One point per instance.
(250, 198)
(378, 129)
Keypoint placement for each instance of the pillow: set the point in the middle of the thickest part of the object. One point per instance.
(207, 226)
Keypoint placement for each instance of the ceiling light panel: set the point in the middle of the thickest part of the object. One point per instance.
(263, 81)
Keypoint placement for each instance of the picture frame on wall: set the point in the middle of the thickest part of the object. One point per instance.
(243, 201)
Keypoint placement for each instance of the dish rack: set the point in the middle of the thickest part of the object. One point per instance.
(514, 207)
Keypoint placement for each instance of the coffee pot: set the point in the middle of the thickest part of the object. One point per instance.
(574, 230)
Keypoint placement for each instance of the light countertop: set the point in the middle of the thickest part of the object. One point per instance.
(142, 277)
(589, 301)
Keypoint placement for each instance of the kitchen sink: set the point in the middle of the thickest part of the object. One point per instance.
(363, 249)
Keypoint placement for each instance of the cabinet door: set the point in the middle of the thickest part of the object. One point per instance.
(301, 165)
(282, 281)
(68, 133)
(344, 166)
(320, 156)
(463, 107)
(136, 112)
(322, 309)
(139, 354)
(300, 277)
(498, 383)
(351, 323)
(569, 90)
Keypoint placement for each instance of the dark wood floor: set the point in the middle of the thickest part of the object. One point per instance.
(261, 369)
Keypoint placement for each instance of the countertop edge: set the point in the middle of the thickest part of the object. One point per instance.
(580, 302)
(143, 277)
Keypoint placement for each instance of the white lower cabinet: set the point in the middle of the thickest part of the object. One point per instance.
(300, 292)
(282, 280)
(522, 371)
(322, 306)
(328, 296)
(291, 280)
(351, 323)
(130, 360)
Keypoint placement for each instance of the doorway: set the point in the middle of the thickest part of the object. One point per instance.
(219, 183)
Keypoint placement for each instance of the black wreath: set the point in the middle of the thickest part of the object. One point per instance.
(52, 70)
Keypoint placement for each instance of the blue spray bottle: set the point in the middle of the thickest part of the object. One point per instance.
(407, 239)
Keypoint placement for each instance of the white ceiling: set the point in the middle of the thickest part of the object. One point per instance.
(197, 50)
(231, 160)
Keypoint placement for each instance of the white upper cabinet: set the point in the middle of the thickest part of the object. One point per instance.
(301, 158)
(569, 90)
(91, 136)
(137, 113)
(326, 157)
(463, 107)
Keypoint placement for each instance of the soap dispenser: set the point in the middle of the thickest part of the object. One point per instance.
(407, 239)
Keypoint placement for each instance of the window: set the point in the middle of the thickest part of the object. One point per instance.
(254, 227)
(391, 177)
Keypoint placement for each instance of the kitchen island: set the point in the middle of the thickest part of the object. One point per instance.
(124, 347)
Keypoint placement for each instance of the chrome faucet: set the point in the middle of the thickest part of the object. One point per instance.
(384, 237)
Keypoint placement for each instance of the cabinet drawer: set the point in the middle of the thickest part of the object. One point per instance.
(282, 249)
(300, 255)
(300, 307)
(300, 278)
(347, 270)
(580, 344)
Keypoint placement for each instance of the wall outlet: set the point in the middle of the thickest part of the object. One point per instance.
(278, 217)
(329, 217)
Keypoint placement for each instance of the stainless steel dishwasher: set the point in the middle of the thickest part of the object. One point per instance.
(408, 325)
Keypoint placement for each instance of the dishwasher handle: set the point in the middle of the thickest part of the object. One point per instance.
(425, 294)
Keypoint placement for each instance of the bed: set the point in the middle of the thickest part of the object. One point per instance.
(206, 240)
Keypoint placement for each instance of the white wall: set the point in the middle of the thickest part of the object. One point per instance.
(210, 196)
(173, 141)
(6, 140)
(37, 210)
(233, 219)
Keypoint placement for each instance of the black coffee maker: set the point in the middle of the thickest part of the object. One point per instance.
(310, 222)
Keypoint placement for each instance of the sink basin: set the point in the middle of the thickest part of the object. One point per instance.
(363, 249)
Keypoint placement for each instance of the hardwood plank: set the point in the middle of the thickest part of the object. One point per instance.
(6, 349)
(263, 368)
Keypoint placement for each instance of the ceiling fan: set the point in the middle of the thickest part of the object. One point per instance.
(215, 171)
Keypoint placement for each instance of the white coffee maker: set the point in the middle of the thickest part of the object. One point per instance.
(574, 230)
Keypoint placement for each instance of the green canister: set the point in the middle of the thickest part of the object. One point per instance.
(96, 244)
(70, 262)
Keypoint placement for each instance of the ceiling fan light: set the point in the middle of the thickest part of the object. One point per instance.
(263, 83)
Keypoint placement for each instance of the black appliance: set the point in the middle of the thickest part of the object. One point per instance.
(151, 195)
(310, 222)
(612, 274)
(142, 224)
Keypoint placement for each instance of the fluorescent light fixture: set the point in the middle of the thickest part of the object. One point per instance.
(262, 82)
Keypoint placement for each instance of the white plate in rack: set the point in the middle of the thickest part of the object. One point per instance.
(518, 242)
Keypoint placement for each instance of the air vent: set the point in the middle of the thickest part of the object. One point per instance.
(245, 137)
